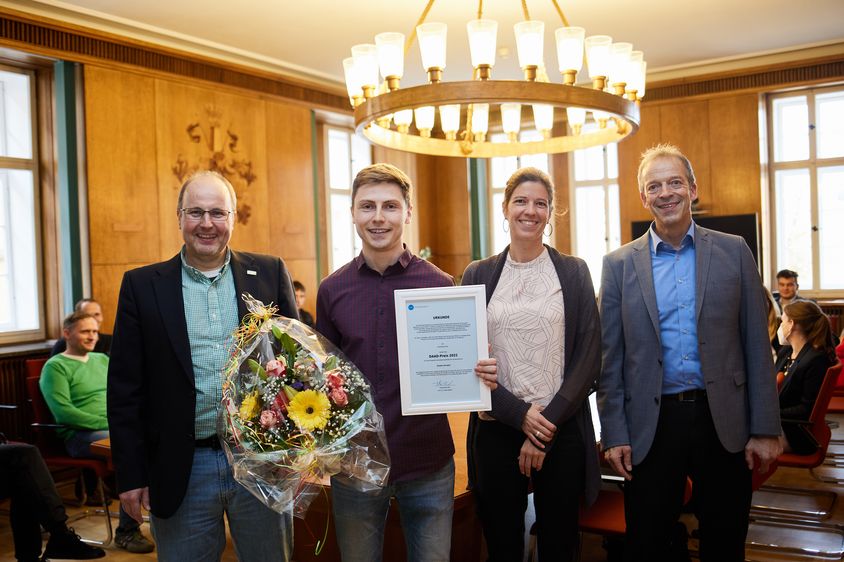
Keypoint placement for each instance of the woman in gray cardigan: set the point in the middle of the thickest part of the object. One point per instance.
(545, 336)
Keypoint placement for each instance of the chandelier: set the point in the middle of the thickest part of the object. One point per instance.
(405, 118)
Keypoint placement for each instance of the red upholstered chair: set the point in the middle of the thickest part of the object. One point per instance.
(53, 450)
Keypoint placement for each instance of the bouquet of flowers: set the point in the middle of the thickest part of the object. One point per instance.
(296, 411)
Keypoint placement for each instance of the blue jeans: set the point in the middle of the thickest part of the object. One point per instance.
(79, 446)
(425, 507)
(197, 532)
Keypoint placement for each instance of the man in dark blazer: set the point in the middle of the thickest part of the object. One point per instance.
(171, 342)
(687, 387)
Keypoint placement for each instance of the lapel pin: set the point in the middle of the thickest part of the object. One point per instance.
(251, 272)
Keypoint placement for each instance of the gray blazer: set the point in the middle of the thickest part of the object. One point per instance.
(735, 352)
(582, 357)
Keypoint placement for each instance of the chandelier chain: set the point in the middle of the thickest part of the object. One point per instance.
(480, 9)
(421, 20)
(560, 11)
(525, 10)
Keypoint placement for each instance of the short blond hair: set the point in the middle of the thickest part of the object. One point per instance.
(659, 151)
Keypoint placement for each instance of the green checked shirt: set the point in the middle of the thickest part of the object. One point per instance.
(211, 315)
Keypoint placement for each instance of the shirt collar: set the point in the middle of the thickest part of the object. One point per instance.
(404, 259)
(196, 274)
(656, 240)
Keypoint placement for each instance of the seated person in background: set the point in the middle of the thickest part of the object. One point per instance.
(808, 352)
(773, 320)
(35, 503)
(304, 315)
(92, 307)
(74, 386)
(787, 289)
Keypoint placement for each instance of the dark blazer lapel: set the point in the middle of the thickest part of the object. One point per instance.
(246, 279)
(167, 286)
(644, 272)
(703, 253)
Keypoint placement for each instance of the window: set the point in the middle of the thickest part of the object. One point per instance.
(347, 154)
(596, 224)
(20, 301)
(500, 171)
(807, 185)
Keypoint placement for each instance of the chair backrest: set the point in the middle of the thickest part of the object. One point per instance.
(819, 429)
(46, 440)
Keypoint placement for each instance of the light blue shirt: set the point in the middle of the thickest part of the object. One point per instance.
(674, 283)
(212, 317)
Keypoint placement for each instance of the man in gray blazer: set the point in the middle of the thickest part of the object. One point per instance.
(687, 386)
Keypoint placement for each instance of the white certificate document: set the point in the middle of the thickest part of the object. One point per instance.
(441, 336)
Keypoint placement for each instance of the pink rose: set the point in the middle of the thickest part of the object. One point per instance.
(339, 396)
(268, 419)
(274, 368)
(335, 379)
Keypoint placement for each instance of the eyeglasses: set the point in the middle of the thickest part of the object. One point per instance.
(195, 214)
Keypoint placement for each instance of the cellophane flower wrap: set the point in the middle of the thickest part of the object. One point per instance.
(296, 411)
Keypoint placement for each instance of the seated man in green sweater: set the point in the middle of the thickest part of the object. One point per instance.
(74, 386)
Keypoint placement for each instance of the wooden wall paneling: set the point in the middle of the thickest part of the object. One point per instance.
(322, 196)
(291, 194)
(47, 200)
(629, 153)
(561, 238)
(106, 279)
(179, 107)
(686, 125)
(734, 155)
(122, 195)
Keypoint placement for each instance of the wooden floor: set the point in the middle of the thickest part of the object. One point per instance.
(592, 549)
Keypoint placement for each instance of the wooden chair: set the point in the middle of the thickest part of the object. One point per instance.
(53, 450)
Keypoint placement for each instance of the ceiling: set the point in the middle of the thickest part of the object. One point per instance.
(309, 38)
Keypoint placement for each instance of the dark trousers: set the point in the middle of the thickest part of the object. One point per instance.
(25, 478)
(501, 492)
(686, 444)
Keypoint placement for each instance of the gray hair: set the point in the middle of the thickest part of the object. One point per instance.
(661, 150)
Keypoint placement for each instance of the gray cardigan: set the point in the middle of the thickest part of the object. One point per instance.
(582, 358)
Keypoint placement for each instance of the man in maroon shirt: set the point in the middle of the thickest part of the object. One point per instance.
(356, 311)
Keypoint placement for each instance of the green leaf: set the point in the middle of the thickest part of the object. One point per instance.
(331, 362)
(277, 332)
(257, 368)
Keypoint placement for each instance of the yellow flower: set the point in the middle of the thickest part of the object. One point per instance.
(309, 409)
(249, 407)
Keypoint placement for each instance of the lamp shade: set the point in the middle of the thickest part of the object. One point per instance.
(643, 73)
(483, 35)
(530, 39)
(450, 118)
(403, 118)
(570, 48)
(480, 118)
(619, 62)
(432, 44)
(366, 64)
(511, 117)
(352, 80)
(424, 117)
(598, 55)
(576, 116)
(543, 116)
(390, 46)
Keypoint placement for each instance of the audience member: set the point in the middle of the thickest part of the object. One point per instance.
(786, 288)
(686, 388)
(74, 386)
(172, 335)
(92, 307)
(808, 352)
(35, 503)
(356, 311)
(773, 319)
(546, 337)
(304, 315)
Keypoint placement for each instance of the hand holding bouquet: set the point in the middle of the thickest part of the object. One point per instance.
(295, 411)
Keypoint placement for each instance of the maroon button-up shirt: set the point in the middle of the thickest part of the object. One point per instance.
(357, 312)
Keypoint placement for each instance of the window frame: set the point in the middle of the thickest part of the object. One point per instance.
(812, 163)
(33, 165)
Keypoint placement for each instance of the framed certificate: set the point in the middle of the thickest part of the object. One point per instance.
(441, 336)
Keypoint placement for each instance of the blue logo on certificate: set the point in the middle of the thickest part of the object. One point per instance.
(410, 307)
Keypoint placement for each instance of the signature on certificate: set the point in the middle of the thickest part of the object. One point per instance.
(444, 384)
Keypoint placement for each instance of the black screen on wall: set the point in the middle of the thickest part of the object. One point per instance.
(745, 226)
